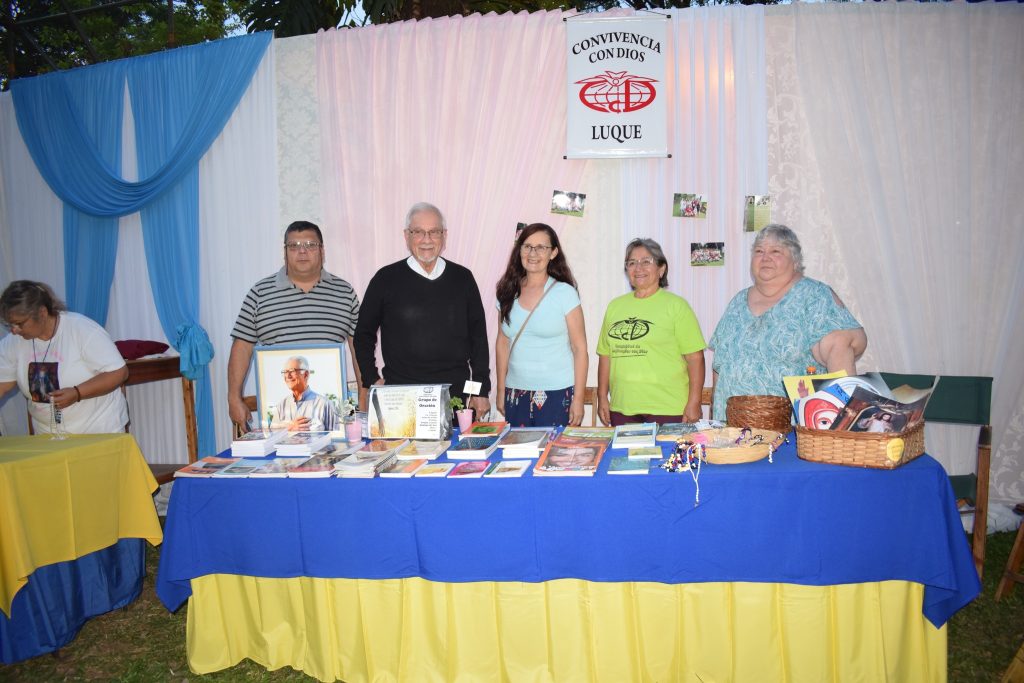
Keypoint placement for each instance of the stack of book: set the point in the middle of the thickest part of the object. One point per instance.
(256, 444)
(303, 443)
(369, 460)
(636, 435)
(320, 464)
(473, 448)
(402, 469)
(524, 442)
(469, 470)
(672, 431)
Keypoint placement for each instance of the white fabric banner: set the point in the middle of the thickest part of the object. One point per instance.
(615, 97)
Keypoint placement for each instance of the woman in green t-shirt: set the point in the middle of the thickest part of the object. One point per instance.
(650, 350)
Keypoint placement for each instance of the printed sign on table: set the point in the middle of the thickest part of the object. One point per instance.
(616, 104)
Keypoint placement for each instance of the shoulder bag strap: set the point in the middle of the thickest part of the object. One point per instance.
(523, 327)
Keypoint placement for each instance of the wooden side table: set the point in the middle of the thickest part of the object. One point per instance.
(156, 370)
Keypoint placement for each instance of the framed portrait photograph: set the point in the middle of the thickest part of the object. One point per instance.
(301, 387)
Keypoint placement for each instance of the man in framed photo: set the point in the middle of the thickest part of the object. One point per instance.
(302, 409)
(429, 315)
(301, 303)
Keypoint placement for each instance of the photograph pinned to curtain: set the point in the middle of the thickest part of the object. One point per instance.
(317, 372)
(707, 253)
(568, 203)
(519, 229)
(757, 212)
(689, 206)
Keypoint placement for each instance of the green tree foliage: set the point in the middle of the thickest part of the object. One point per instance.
(113, 32)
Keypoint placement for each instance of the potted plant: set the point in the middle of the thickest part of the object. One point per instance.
(463, 414)
(353, 427)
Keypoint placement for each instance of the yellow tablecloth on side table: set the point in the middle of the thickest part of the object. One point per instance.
(62, 499)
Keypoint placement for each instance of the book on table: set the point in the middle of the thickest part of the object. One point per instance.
(241, 468)
(496, 428)
(867, 411)
(645, 453)
(302, 443)
(469, 470)
(473, 448)
(524, 442)
(377, 447)
(672, 431)
(423, 449)
(591, 433)
(435, 469)
(256, 443)
(205, 467)
(636, 434)
(402, 469)
(276, 467)
(575, 458)
(508, 468)
(626, 465)
(320, 464)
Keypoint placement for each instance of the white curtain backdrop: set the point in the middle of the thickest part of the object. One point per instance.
(886, 134)
(910, 110)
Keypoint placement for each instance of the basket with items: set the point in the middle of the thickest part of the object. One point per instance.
(857, 421)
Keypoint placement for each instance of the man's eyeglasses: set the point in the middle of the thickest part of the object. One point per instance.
(296, 246)
(417, 234)
(289, 373)
(535, 249)
(645, 262)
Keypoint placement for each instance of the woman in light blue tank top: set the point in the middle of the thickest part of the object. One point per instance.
(541, 349)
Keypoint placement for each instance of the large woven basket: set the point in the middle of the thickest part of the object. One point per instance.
(773, 413)
(860, 449)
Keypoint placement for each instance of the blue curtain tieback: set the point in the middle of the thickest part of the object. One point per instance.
(195, 349)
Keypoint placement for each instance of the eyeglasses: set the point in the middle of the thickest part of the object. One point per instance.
(297, 246)
(535, 249)
(417, 234)
(645, 262)
(20, 324)
(289, 373)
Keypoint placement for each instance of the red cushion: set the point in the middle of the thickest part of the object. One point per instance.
(132, 349)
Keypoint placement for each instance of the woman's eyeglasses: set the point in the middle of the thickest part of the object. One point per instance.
(540, 249)
(645, 262)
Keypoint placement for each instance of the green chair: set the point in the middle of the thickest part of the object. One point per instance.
(967, 401)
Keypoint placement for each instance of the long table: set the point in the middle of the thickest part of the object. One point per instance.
(790, 537)
(72, 516)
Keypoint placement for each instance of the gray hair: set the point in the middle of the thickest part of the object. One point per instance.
(656, 251)
(424, 207)
(301, 360)
(776, 232)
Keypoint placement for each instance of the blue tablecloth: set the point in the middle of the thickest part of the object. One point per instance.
(50, 610)
(791, 522)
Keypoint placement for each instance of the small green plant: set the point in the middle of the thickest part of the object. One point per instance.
(456, 403)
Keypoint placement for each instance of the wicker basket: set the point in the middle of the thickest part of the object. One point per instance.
(773, 413)
(860, 449)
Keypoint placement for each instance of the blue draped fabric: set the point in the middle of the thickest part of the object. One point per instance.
(181, 101)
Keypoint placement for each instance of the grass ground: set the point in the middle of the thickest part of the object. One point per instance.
(144, 643)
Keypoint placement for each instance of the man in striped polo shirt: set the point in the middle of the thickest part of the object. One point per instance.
(301, 303)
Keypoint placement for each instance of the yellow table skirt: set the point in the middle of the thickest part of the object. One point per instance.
(562, 631)
(60, 500)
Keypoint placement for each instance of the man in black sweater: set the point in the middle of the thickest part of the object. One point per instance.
(429, 314)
